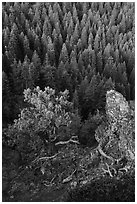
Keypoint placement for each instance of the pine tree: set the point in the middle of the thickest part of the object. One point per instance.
(26, 46)
(90, 39)
(62, 78)
(96, 43)
(70, 27)
(47, 77)
(107, 72)
(36, 17)
(36, 63)
(6, 36)
(13, 43)
(109, 84)
(5, 19)
(33, 75)
(37, 45)
(73, 69)
(76, 33)
(51, 16)
(38, 30)
(51, 52)
(47, 30)
(64, 54)
(99, 62)
(25, 72)
(43, 14)
(107, 52)
(6, 99)
(83, 22)
(75, 15)
(122, 28)
(80, 64)
(84, 38)
(57, 46)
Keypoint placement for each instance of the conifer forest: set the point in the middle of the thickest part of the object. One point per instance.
(68, 101)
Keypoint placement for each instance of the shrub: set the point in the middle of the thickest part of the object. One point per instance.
(38, 125)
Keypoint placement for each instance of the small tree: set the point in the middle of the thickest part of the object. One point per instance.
(39, 123)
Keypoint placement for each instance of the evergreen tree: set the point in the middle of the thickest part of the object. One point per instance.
(50, 51)
(13, 43)
(36, 17)
(37, 45)
(76, 33)
(16, 77)
(6, 36)
(47, 77)
(6, 99)
(96, 43)
(75, 15)
(65, 44)
(99, 62)
(62, 78)
(47, 30)
(37, 64)
(26, 46)
(64, 54)
(84, 38)
(25, 72)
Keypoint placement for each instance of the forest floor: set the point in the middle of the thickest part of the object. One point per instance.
(24, 184)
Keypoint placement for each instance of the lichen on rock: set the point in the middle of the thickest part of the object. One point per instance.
(117, 139)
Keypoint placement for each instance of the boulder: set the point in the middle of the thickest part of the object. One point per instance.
(116, 137)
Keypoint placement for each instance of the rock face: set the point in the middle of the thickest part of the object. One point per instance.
(117, 138)
(117, 108)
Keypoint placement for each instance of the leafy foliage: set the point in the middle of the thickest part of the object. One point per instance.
(39, 124)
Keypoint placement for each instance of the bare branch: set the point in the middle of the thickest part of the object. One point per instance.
(68, 141)
(123, 169)
(104, 154)
(44, 158)
(69, 178)
(108, 170)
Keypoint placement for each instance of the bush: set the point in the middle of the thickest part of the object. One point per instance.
(38, 125)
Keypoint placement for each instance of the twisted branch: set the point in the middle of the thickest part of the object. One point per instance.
(104, 154)
(44, 158)
(68, 141)
(108, 170)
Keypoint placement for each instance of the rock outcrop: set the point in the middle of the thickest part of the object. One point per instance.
(116, 140)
